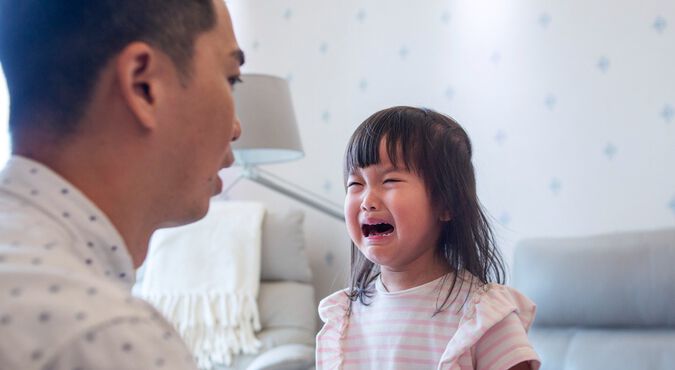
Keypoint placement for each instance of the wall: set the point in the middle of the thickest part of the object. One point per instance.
(570, 104)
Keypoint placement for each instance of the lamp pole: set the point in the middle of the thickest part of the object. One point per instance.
(299, 194)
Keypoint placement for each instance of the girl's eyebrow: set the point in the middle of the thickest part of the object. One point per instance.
(357, 171)
(391, 169)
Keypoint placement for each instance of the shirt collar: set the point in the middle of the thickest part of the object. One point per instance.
(96, 241)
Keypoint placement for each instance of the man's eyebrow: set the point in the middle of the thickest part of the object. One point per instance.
(239, 56)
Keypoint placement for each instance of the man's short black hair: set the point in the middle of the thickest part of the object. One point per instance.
(53, 51)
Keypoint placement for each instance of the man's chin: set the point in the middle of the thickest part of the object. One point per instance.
(196, 214)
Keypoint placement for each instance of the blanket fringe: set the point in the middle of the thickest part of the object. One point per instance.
(215, 326)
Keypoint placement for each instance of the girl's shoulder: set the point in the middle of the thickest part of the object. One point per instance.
(490, 303)
(492, 313)
(334, 306)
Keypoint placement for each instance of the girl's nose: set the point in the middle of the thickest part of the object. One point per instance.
(369, 202)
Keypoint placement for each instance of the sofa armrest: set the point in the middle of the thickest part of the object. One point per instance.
(286, 357)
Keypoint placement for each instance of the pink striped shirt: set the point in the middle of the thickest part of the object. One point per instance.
(400, 331)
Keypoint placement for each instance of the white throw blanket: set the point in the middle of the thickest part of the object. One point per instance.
(204, 277)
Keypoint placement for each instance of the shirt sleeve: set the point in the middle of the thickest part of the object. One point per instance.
(505, 345)
(125, 344)
(332, 311)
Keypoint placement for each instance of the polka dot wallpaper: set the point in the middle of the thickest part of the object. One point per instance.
(570, 105)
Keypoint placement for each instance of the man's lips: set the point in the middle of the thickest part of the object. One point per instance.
(218, 187)
(229, 159)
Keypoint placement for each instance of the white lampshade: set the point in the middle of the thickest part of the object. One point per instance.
(269, 131)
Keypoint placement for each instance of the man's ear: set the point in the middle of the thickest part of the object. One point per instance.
(138, 69)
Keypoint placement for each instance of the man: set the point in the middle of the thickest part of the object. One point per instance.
(121, 116)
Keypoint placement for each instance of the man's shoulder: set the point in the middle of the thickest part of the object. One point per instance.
(46, 312)
(61, 294)
(24, 223)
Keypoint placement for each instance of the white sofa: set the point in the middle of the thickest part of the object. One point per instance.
(603, 302)
(286, 299)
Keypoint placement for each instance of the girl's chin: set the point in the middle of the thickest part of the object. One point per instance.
(377, 254)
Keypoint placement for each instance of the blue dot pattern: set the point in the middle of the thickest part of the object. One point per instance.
(667, 113)
(603, 64)
(610, 150)
(361, 15)
(555, 185)
(660, 24)
(545, 19)
(403, 52)
(500, 137)
(550, 101)
(445, 17)
(325, 116)
(505, 219)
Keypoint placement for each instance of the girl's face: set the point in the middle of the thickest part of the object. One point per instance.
(390, 217)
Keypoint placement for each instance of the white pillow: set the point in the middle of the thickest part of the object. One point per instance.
(282, 254)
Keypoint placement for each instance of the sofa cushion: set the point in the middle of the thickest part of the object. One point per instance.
(286, 304)
(617, 280)
(283, 255)
(572, 349)
(287, 357)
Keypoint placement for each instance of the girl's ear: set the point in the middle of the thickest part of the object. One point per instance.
(445, 216)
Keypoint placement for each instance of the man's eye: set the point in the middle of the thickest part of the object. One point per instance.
(234, 80)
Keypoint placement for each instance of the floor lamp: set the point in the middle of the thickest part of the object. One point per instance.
(270, 135)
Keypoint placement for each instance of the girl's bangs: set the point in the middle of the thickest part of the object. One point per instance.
(401, 136)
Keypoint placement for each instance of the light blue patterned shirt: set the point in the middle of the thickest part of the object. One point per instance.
(65, 284)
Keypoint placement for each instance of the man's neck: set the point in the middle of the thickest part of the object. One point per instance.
(109, 183)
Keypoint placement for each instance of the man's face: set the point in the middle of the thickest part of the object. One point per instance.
(203, 122)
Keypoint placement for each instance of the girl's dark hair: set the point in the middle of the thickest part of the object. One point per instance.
(436, 148)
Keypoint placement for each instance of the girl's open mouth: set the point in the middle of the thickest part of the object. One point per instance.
(382, 229)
